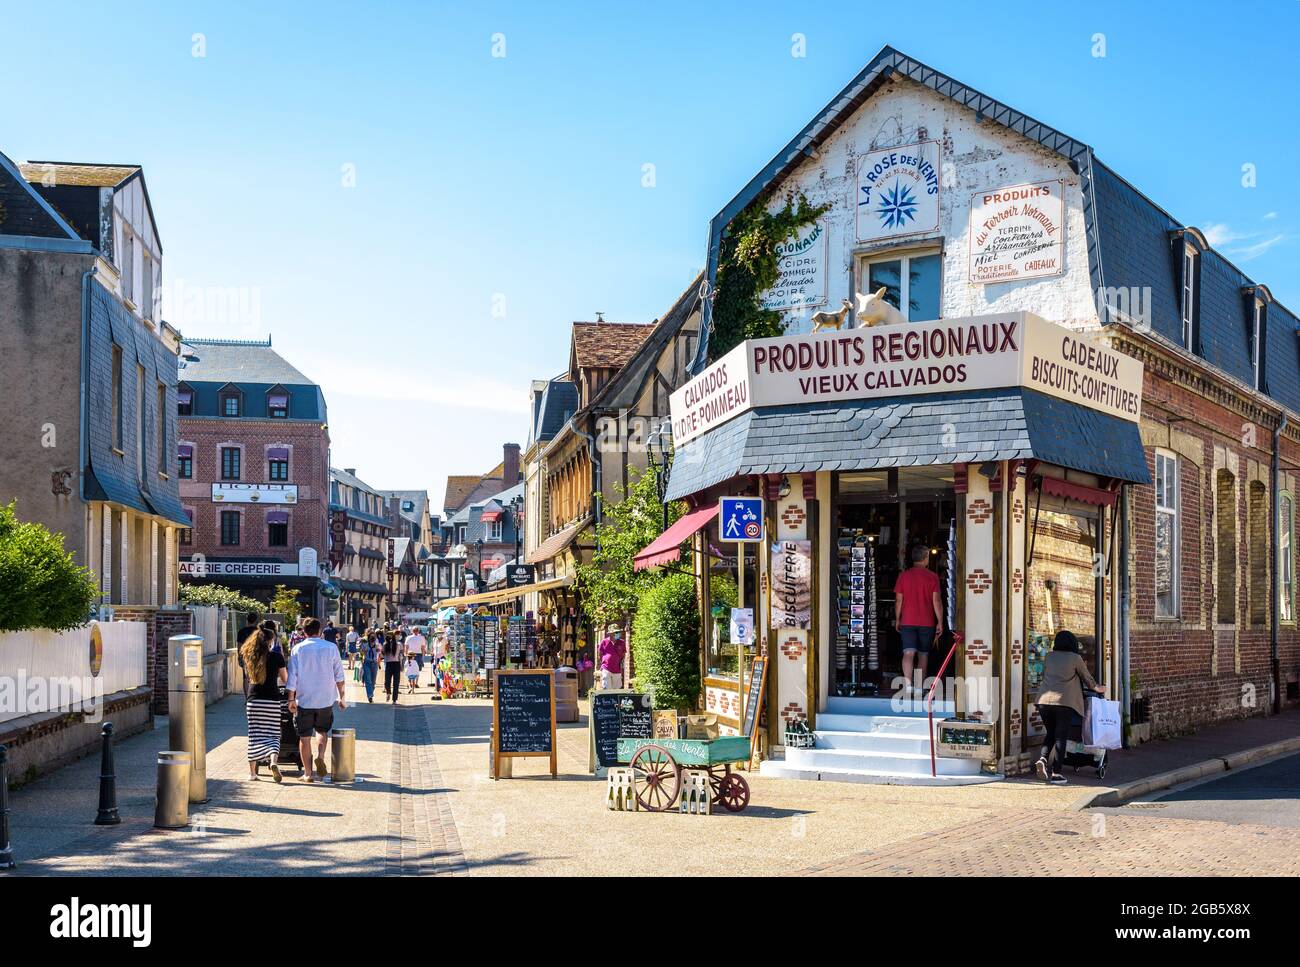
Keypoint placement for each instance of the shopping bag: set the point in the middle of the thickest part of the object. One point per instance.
(1101, 725)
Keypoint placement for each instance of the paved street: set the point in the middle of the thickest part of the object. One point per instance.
(426, 807)
(1263, 795)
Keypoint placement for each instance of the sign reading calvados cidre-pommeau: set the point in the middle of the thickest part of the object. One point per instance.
(981, 352)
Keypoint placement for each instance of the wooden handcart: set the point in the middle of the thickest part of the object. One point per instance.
(659, 763)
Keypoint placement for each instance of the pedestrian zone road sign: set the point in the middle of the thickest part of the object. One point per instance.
(741, 519)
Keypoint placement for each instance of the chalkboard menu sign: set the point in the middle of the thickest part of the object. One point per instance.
(523, 716)
(617, 715)
(754, 700)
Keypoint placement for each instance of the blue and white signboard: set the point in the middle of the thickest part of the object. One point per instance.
(741, 519)
(742, 626)
(898, 191)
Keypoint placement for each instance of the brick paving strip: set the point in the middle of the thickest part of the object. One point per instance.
(422, 836)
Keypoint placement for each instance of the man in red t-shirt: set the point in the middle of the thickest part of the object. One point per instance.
(918, 612)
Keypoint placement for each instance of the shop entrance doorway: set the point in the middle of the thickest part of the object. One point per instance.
(878, 518)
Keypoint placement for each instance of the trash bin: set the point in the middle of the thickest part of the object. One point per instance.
(173, 809)
(186, 717)
(343, 755)
(566, 694)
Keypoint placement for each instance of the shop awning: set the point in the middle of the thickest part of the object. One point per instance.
(554, 544)
(943, 428)
(490, 516)
(504, 594)
(667, 546)
(1076, 491)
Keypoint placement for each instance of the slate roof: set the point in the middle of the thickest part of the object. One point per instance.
(607, 345)
(237, 361)
(23, 212)
(943, 428)
(557, 403)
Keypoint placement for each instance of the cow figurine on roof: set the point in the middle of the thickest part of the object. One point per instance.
(874, 310)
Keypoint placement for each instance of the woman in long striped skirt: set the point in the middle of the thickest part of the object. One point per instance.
(266, 672)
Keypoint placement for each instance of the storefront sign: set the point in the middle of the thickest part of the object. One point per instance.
(898, 192)
(792, 584)
(338, 538)
(982, 352)
(1017, 232)
(520, 575)
(212, 569)
(801, 271)
(252, 493)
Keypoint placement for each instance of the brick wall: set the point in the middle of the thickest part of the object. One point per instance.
(160, 625)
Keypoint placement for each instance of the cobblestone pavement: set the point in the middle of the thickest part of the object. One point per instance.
(426, 806)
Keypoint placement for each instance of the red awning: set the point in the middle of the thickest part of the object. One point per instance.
(1080, 492)
(490, 516)
(667, 546)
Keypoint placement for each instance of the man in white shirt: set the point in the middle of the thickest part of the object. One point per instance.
(316, 681)
(417, 645)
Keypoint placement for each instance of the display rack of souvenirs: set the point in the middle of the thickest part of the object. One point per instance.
(857, 643)
(1039, 645)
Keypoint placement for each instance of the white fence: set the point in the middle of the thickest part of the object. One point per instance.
(44, 671)
(210, 625)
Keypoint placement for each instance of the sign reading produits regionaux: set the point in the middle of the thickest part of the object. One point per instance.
(981, 352)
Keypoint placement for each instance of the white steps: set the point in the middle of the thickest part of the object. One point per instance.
(875, 740)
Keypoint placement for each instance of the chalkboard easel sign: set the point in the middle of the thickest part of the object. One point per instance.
(523, 716)
(754, 700)
(616, 714)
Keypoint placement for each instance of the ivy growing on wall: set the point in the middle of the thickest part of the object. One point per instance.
(748, 266)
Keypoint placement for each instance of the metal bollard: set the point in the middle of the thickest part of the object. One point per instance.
(6, 849)
(108, 814)
(343, 755)
(186, 713)
(173, 810)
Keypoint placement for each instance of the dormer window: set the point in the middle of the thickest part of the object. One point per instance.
(184, 401)
(230, 405)
(277, 405)
(1190, 260)
(1257, 342)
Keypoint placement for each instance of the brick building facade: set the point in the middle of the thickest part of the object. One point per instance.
(253, 452)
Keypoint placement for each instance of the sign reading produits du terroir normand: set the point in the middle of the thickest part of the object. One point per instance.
(1017, 232)
(980, 352)
(801, 271)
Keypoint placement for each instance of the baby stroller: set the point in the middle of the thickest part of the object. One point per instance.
(1078, 755)
(289, 754)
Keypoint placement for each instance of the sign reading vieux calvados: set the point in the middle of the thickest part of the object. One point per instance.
(898, 191)
(982, 352)
(801, 278)
(1017, 232)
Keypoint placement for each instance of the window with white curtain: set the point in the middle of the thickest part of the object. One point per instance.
(1166, 535)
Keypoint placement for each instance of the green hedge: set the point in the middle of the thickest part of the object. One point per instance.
(666, 642)
(41, 586)
(214, 595)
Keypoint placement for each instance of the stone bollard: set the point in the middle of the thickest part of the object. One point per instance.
(343, 755)
(108, 814)
(173, 811)
(6, 849)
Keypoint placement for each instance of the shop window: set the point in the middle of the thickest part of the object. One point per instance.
(230, 527)
(1190, 260)
(913, 284)
(1167, 535)
(1257, 520)
(230, 463)
(1225, 512)
(1286, 560)
(1061, 593)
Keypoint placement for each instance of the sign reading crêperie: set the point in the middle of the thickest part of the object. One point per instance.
(801, 271)
(1017, 232)
(983, 352)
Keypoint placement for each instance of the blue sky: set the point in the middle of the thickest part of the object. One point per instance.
(515, 182)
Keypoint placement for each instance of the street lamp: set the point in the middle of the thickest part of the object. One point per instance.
(659, 455)
(517, 517)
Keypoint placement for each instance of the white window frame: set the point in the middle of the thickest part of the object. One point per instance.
(1286, 560)
(1167, 462)
(128, 265)
(1257, 344)
(904, 257)
(1189, 296)
(494, 531)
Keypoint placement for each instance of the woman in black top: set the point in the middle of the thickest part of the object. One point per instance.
(392, 667)
(266, 672)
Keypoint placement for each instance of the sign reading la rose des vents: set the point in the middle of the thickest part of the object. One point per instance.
(998, 351)
(801, 278)
(1017, 232)
(898, 192)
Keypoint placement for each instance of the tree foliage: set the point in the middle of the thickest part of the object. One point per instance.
(217, 596)
(285, 602)
(666, 642)
(609, 586)
(41, 586)
(749, 265)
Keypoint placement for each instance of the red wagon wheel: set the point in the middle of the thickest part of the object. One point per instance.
(717, 775)
(735, 792)
(660, 779)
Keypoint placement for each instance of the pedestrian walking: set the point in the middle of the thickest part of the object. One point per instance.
(412, 674)
(1060, 702)
(370, 665)
(265, 672)
(417, 646)
(392, 668)
(353, 647)
(316, 683)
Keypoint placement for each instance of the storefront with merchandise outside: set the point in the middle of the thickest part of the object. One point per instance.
(1000, 443)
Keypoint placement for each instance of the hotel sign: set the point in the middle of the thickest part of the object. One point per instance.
(252, 493)
(1015, 349)
(1017, 233)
